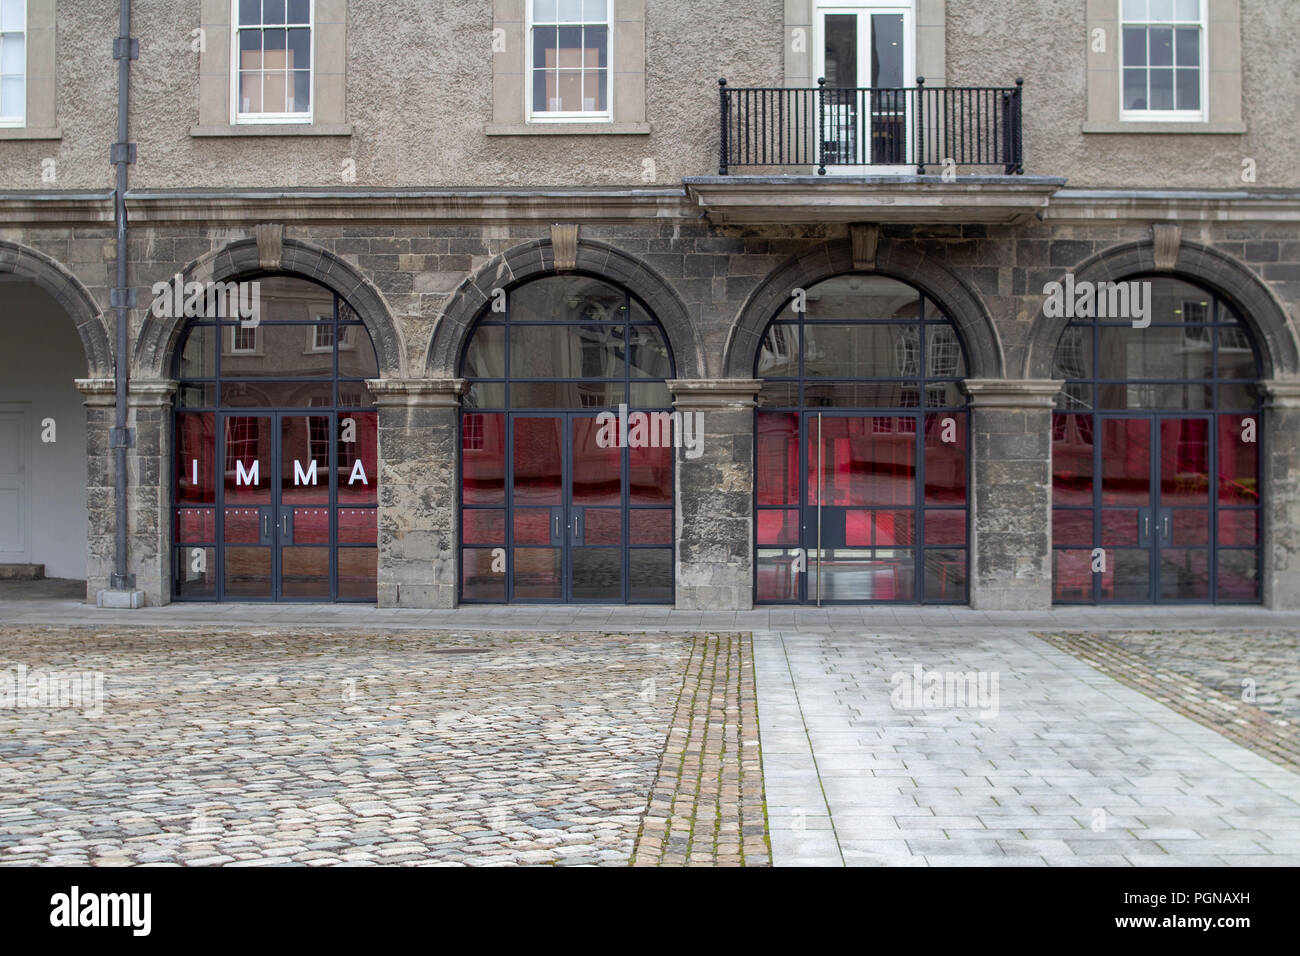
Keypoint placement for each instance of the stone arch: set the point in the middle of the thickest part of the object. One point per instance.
(535, 258)
(1220, 273)
(73, 297)
(239, 259)
(928, 274)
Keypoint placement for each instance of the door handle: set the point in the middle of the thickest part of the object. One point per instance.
(284, 525)
(556, 534)
(1164, 529)
(577, 527)
(1146, 526)
(266, 525)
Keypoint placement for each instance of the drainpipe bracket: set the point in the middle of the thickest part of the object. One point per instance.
(121, 153)
(121, 438)
(128, 47)
(121, 298)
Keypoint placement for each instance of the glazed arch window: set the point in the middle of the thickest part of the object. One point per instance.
(1162, 60)
(568, 60)
(272, 68)
(13, 62)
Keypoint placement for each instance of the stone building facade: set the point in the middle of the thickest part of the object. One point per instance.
(419, 198)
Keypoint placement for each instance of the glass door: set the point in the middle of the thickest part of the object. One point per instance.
(865, 55)
(595, 514)
(1181, 519)
(248, 512)
(303, 514)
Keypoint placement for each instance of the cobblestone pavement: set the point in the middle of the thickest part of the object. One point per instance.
(275, 746)
(1060, 765)
(1244, 684)
(706, 808)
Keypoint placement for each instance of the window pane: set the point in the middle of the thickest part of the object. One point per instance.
(861, 351)
(779, 355)
(299, 43)
(567, 299)
(648, 351)
(1162, 89)
(13, 55)
(1238, 461)
(1189, 89)
(540, 104)
(567, 351)
(1161, 9)
(650, 475)
(299, 11)
(485, 356)
(196, 446)
(862, 297)
(273, 11)
(570, 11)
(483, 459)
(1156, 352)
(1135, 89)
(778, 459)
(945, 575)
(478, 581)
(1135, 9)
(1238, 576)
(1188, 9)
(358, 574)
(1135, 46)
(945, 459)
(650, 575)
(1069, 527)
(250, 92)
(1188, 44)
(250, 12)
(544, 11)
(650, 526)
(594, 11)
(301, 92)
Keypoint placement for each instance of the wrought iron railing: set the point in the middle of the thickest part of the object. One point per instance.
(925, 127)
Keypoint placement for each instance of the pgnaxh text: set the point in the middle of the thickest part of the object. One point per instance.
(176, 298)
(1205, 897)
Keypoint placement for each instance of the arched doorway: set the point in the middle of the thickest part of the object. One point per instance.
(566, 476)
(1155, 455)
(862, 463)
(275, 471)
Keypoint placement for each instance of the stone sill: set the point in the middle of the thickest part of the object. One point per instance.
(567, 129)
(30, 132)
(1144, 127)
(273, 129)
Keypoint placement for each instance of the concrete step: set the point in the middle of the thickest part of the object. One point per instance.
(22, 572)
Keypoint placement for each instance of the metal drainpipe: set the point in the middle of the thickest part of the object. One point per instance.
(122, 298)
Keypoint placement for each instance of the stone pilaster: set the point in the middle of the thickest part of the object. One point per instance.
(100, 403)
(419, 427)
(1280, 493)
(1011, 492)
(149, 493)
(715, 497)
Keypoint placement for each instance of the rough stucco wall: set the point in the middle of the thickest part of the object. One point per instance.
(1045, 41)
(420, 93)
(420, 85)
(86, 109)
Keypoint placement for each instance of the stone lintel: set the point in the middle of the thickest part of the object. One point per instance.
(705, 393)
(99, 392)
(1012, 393)
(1280, 392)
(428, 392)
(150, 392)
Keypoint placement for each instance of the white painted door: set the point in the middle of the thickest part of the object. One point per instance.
(13, 486)
(866, 53)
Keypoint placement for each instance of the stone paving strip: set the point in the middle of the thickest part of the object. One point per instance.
(707, 807)
(275, 745)
(1244, 684)
(1058, 764)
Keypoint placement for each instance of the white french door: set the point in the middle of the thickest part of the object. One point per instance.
(866, 53)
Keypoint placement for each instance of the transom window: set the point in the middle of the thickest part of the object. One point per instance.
(273, 60)
(1163, 58)
(13, 62)
(569, 59)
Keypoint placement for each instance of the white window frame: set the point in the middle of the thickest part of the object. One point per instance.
(12, 122)
(1168, 116)
(234, 340)
(593, 116)
(238, 118)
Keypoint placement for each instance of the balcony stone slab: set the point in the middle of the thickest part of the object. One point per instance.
(836, 198)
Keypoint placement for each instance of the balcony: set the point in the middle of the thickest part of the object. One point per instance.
(914, 154)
